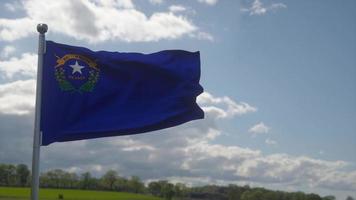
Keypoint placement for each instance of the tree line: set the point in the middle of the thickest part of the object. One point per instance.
(20, 176)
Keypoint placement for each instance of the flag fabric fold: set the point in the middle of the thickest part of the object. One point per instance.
(91, 94)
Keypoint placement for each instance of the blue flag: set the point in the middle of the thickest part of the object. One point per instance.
(88, 94)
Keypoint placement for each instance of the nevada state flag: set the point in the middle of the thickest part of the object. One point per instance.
(88, 94)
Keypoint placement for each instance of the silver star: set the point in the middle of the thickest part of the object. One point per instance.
(76, 68)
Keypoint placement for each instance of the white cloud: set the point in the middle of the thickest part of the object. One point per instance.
(336, 180)
(97, 21)
(7, 51)
(13, 29)
(125, 4)
(17, 97)
(288, 169)
(223, 107)
(156, 1)
(25, 66)
(270, 141)
(203, 36)
(275, 6)
(257, 8)
(209, 2)
(259, 128)
(177, 8)
(132, 145)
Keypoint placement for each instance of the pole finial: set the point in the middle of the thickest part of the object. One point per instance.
(42, 28)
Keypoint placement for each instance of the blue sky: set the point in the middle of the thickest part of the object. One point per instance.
(280, 78)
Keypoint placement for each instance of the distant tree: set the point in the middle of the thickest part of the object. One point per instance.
(74, 180)
(122, 184)
(329, 197)
(69, 180)
(154, 188)
(180, 190)
(109, 179)
(246, 187)
(167, 191)
(313, 197)
(255, 194)
(211, 189)
(58, 177)
(22, 173)
(282, 195)
(234, 192)
(136, 185)
(295, 196)
(8, 175)
(85, 180)
(349, 198)
(270, 195)
(3, 175)
(44, 180)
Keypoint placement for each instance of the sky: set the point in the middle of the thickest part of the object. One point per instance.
(279, 79)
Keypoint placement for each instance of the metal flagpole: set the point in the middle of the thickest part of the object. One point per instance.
(42, 29)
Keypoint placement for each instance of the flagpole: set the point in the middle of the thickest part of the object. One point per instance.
(42, 29)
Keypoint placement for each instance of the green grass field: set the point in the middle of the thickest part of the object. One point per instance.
(11, 193)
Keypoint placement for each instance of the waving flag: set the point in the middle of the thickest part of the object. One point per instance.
(87, 94)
